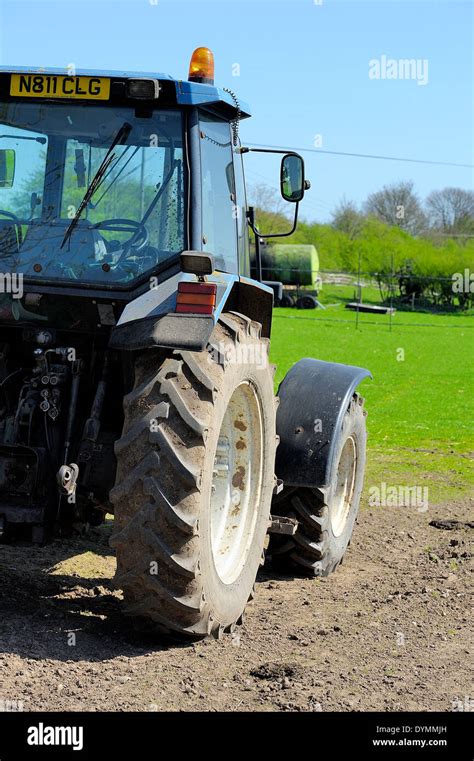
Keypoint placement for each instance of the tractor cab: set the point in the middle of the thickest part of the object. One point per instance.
(105, 178)
(92, 186)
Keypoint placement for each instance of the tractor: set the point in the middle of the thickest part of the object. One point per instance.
(134, 369)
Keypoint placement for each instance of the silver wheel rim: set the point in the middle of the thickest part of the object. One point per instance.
(344, 491)
(236, 483)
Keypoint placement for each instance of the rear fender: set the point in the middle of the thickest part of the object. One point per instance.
(150, 321)
(314, 397)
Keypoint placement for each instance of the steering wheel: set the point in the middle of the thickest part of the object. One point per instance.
(139, 232)
(10, 215)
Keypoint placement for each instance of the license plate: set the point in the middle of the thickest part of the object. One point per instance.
(52, 86)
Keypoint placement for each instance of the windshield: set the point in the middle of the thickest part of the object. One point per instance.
(53, 227)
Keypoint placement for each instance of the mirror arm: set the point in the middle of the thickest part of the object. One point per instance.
(246, 149)
(254, 228)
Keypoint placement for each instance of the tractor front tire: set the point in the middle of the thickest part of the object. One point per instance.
(195, 476)
(326, 516)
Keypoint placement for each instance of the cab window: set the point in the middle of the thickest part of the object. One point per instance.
(241, 207)
(219, 212)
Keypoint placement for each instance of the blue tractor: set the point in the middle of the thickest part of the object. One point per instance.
(134, 368)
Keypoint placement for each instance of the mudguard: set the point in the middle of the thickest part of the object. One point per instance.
(150, 320)
(314, 397)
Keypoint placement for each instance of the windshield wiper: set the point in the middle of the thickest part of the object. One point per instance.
(119, 138)
(112, 182)
(41, 140)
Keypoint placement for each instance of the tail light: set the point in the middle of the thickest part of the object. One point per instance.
(196, 298)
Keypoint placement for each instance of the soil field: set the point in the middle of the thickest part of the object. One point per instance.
(388, 631)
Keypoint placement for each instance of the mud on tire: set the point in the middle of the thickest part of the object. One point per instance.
(168, 562)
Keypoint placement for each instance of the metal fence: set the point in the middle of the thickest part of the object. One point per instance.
(385, 299)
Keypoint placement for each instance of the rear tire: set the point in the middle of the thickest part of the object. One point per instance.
(326, 517)
(194, 483)
(306, 302)
(287, 301)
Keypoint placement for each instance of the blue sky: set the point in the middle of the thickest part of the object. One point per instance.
(304, 69)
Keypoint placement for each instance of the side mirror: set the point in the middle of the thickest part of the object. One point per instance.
(292, 183)
(7, 167)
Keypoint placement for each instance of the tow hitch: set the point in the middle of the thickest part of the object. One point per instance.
(67, 479)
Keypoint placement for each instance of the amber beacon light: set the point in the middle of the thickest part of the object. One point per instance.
(201, 68)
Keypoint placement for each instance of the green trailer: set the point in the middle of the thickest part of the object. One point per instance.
(292, 269)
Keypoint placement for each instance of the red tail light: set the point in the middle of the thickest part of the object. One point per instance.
(196, 298)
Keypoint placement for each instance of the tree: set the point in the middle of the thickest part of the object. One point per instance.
(451, 210)
(267, 199)
(399, 206)
(347, 218)
(270, 209)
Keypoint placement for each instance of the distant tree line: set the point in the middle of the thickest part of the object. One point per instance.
(444, 213)
(425, 248)
(449, 211)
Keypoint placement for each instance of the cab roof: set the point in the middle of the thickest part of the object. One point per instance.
(187, 93)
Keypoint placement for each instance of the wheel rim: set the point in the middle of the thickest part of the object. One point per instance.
(236, 483)
(346, 473)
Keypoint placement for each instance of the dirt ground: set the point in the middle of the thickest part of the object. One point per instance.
(388, 631)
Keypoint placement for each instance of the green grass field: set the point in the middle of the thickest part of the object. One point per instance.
(420, 408)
